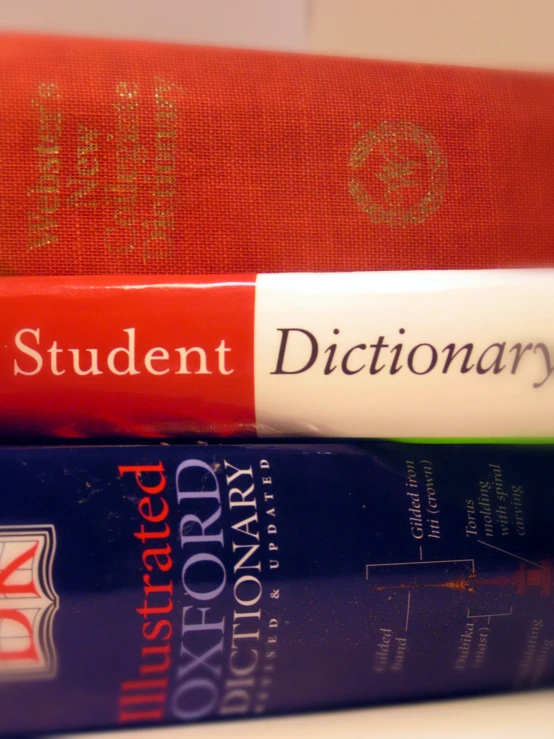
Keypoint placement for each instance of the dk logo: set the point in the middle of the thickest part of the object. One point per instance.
(28, 602)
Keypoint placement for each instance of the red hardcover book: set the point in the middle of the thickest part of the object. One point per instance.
(127, 157)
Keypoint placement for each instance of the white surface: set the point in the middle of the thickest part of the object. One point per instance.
(496, 33)
(529, 716)
(490, 33)
(249, 23)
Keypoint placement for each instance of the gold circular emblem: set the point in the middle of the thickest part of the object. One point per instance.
(398, 174)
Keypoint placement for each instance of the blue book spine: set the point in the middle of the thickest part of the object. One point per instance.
(162, 584)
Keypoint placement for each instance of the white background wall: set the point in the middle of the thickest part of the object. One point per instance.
(493, 33)
(509, 33)
(273, 24)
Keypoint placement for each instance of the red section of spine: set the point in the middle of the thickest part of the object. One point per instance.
(91, 357)
(125, 157)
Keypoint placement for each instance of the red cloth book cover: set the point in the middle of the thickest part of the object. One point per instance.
(128, 157)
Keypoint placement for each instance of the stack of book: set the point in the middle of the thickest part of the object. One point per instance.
(276, 383)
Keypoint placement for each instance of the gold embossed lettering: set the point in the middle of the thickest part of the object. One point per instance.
(44, 195)
(122, 194)
(87, 167)
(158, 242)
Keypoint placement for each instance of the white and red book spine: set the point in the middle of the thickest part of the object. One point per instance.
(451, 354)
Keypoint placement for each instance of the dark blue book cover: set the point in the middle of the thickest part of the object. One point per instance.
(151, 584)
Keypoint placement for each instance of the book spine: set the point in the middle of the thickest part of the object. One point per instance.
(429, 355)
(152, 584)
(122, 157)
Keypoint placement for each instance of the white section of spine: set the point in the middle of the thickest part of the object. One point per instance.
(505, 316)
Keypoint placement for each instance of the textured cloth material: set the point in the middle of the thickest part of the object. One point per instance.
(127, 157)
